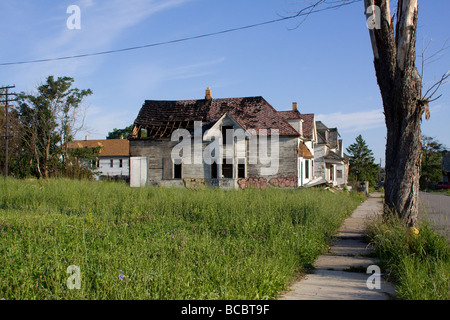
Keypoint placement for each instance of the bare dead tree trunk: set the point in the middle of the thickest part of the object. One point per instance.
(400, 84)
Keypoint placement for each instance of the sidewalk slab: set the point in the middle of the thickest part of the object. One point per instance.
(350, 247)
(328, 285)
(341, 273)
(343, 263)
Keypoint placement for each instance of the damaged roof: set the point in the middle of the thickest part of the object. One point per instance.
(308, 121)
(333, 157)
(162, 117)
(308, 125)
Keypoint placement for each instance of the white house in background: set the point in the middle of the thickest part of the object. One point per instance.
(113, 160)
(330, 162)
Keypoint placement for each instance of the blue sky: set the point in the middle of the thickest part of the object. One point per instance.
(325, 64)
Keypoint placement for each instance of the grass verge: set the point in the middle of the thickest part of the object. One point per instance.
(418, 265)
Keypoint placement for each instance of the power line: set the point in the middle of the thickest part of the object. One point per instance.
(304, 12)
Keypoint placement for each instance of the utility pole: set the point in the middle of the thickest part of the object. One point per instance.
(7, 137)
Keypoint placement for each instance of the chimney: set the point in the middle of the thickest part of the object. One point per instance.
(208, 95)
(294, 106)
(86, 138)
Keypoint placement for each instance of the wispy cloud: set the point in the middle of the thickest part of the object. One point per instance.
(102, 24)
(354, 121)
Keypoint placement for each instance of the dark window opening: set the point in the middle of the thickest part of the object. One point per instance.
(227, 169)
(214, 171)
(241, 170)
(120, 163)
(177, 171)
(306, 169)
(111, 163)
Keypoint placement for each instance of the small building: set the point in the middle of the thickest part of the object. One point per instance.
(113, 160)
(227, 142)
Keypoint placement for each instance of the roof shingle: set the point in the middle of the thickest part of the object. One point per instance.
(250, 112)
(111, 147)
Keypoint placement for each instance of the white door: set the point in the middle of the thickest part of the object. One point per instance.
(138, 171)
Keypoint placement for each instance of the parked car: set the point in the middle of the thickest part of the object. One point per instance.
(443, 185)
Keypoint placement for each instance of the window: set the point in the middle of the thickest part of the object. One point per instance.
(339, 174)
(177, 171)
(227, 169)
(241, 170)
(120, 163)
(306, 169)
(111, 163)
(214, 170)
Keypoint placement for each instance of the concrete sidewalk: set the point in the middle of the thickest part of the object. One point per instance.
(341, 273)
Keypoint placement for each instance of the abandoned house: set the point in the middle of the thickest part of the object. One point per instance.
(113, 160)
(330, 163)
(228, 142)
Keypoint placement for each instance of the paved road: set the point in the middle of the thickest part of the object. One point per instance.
(436, 209)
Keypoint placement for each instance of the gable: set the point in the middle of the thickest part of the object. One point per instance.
(226, 120)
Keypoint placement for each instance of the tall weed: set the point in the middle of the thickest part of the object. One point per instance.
(159, 243)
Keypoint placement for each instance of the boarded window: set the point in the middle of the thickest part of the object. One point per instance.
(167, 168)
(177, 171)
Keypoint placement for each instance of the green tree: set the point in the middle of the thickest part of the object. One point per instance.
(49, 118)
(362, 162)
(432, 153)
(117, 133)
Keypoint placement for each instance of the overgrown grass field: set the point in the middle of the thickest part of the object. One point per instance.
(160, 243)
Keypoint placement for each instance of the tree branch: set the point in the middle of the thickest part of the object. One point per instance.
(436, 86)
